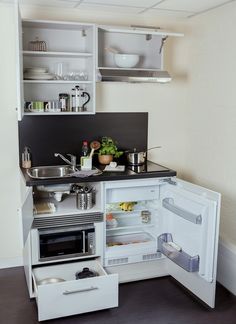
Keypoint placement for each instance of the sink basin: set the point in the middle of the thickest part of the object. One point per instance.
(50, 172)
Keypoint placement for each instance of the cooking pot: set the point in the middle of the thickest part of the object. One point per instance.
(85, 273)
(135, 157)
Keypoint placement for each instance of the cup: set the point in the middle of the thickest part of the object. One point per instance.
(52, 106)
(35, 106)
(61, 70)
(86, 163)
(27, 106)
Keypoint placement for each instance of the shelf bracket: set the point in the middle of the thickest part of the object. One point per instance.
(170, 181)
(162, 43)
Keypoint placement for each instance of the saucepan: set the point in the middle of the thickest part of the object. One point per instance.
(135, 157)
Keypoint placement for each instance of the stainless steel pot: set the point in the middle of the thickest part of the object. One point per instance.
(135, 157)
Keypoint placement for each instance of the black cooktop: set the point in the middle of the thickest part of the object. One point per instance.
(148, 167)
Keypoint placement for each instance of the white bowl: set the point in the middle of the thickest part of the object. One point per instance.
(126, 60)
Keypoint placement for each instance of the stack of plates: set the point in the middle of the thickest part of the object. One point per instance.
(38, 73)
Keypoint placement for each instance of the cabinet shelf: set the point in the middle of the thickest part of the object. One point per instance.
(58, 81)
(129, 227)
(57, 54)
(59, 113)
(68, 206)
(127, 69)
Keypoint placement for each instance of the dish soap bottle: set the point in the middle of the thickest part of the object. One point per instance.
(85, 160)
(26, 158)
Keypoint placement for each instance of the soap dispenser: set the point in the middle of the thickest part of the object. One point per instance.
(26, 158)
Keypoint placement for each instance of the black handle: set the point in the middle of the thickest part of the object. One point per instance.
(83, 95)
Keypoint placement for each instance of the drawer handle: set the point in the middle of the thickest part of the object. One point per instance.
(69, 292)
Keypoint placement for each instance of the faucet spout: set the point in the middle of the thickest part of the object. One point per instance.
(72, 162)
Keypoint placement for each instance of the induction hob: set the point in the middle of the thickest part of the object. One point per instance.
(148, 167)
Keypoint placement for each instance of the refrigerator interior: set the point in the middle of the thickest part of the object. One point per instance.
(163, 221)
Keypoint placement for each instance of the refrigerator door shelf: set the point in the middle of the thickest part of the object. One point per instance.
(177, 255)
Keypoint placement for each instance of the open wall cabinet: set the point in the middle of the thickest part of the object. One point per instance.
(64, 60)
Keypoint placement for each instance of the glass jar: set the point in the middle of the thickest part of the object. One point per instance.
(64, 99)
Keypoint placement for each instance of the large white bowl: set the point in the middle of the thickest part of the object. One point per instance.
(126, 60)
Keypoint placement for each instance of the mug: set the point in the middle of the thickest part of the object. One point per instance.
(27, 106)
(52, 106)
(34, 106)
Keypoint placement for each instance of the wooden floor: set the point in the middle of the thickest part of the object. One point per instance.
(159, 301)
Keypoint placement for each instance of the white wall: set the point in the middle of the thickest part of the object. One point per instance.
(193, 117)
(211, 108)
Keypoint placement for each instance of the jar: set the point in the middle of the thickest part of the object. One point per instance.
(145, 216)
(64, 100)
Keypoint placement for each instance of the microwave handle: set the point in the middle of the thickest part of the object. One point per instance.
(83, 233)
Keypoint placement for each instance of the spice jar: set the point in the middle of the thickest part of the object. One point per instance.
(64, 100)
(145, 216)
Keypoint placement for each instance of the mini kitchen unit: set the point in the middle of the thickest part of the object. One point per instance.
(172, 227)
(179, 238)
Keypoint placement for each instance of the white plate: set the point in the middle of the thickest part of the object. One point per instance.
(39, 76)
(36, 70)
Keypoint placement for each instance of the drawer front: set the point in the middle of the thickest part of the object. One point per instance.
(77, 296)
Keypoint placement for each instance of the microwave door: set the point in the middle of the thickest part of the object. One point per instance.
(61, 244)
(190, 236)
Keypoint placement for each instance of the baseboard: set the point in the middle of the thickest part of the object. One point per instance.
(226, 269)
(11, 262)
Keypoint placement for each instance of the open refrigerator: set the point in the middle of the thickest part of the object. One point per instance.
(166, 220)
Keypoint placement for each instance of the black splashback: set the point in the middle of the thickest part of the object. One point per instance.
(45, 135)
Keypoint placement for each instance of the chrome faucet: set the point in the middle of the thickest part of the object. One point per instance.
(71, 162)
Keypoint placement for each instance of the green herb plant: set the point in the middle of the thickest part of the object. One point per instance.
(108, 147)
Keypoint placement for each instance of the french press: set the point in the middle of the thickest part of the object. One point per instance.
(80, 98)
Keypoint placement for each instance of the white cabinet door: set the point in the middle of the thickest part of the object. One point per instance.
(19, 65)
(26, 212)
(190, 238)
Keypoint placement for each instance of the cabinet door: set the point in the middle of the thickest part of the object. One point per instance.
(19, 66)
(190, 241)
(27, 214)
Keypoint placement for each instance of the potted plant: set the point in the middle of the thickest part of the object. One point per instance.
(108, 150)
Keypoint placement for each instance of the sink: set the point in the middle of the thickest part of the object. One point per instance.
(50, 172)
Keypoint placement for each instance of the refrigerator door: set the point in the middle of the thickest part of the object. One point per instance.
(190, 236)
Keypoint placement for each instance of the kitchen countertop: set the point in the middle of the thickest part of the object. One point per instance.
(149, 170)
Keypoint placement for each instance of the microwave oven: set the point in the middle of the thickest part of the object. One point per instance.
(52, 244)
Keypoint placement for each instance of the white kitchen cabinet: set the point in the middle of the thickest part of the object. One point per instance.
(182, 228)
(70, 296)
(69, 46)
(74, 296)
(148, 43)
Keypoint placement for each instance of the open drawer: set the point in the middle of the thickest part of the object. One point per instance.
(73, 296)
